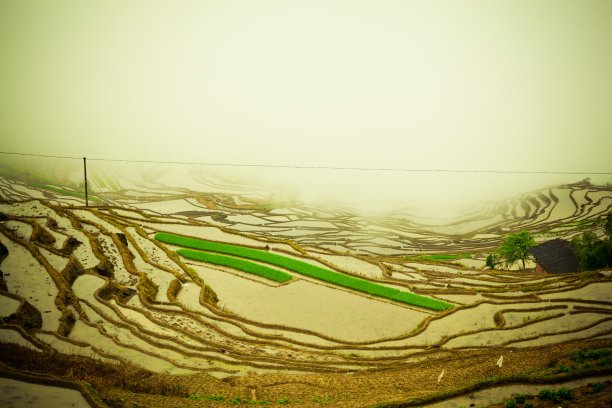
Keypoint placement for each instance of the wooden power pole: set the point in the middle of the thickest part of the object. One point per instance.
(85, 169)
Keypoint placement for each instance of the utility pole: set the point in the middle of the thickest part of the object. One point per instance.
(85, 169)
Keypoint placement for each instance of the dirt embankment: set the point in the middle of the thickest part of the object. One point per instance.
(122, 385)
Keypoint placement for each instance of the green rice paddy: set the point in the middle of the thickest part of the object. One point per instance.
(307, 269)
(67, 192)
(441, 257)
(236, 263)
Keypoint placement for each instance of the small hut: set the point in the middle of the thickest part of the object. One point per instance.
(555, 256)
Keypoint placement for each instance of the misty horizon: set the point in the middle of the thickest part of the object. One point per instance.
(443, 85)
(427, 195)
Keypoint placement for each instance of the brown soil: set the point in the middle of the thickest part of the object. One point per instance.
(124, 385)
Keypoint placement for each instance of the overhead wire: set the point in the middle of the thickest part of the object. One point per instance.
(287, 166)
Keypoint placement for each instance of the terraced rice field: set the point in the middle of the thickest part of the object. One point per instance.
(294, 265)
(66, 192)
(274, 304)
(236, 263)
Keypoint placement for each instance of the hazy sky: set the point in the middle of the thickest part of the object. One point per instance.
(505, 85)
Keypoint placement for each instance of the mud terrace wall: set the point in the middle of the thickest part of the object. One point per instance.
(104, 287)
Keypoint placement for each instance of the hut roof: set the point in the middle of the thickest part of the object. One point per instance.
(555, 256)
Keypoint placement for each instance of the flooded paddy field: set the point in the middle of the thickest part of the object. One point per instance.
(93, 283)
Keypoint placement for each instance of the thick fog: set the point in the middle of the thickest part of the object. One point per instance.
(475, 85)
(433, 196)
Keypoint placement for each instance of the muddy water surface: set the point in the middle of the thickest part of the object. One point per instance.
(20, 394)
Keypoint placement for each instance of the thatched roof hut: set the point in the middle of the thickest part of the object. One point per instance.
(555, 256)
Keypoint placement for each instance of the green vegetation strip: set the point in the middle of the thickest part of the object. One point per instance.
(67, 192)
(236, 263)
(440, 257)
(307, 269)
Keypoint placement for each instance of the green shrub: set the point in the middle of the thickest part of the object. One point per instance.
(598, 387)
(590, 354)
(556, 395)
(565, 393)
(492, 261)
(592, 252)
(606, 361)
(562, 369)
(510, 404)
(548, 394)
(307, 269)
(520, 398)
(577, 356)
(207, 397)
(238, 401)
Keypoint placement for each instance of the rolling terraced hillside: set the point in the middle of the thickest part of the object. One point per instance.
(95, 282)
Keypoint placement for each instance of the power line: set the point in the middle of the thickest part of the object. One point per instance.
(280, 166)
(42, 155)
